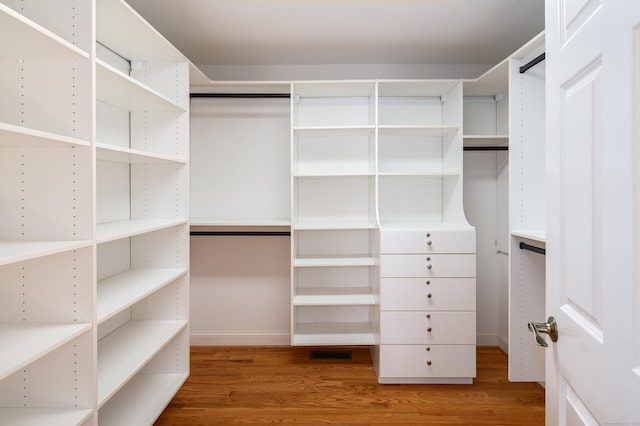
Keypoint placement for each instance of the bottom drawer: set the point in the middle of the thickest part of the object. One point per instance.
(427, 361)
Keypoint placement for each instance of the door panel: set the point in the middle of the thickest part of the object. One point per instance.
(591, 280)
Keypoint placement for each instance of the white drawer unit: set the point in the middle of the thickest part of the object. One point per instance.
(422, 294)
(428, 265)
(427, 306)
(415, 327)
(406, 242)
(427, 363)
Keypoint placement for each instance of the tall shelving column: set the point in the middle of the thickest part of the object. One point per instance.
(527, 196)
(46, 214)
(142, 107)
(486, 140)
(427, 247)
(334, 230)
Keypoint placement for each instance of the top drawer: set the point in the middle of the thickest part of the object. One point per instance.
(428, 241)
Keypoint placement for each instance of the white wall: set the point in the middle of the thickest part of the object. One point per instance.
(480, 203)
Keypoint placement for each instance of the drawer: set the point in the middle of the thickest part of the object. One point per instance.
(427, 361)
(428, 241)
(428, 265)
(420, 327)
(423, 294)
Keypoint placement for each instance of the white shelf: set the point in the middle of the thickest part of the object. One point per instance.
(127, 33)
(333, 296)
(44, 416)
(137, 402)
(422, 225)
(343, 333)
(324, 130)
(331, 225)
(128, 228)
(19, 251)
(35, 42)
(415, 88)
(106, 152)
(540, 236)
(120, 90)
(118, 361)
(427, 174)
(226, 222)
(23, 343)
(416, 131)
(335, 88)
(333, 174)
(486, 140)
(124, 289)
(318, 261)
(492, 82)
(11, 135)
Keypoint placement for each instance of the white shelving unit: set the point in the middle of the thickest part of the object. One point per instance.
(427, 248)
(46, 262)
(240, 134)
(420, 153)
(376, 166)
(527, 211)
(142, 196)
(334, 223)
(115, 207)
(486, 157)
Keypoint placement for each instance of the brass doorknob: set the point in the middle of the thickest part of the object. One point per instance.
(550, 327)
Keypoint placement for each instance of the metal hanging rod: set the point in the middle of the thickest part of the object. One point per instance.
(535, 61)
(242, 233)
(240, 95)
(486, 148)
(525, 246)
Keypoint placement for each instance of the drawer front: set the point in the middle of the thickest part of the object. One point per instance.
(428, 241)
(424, 294)
(428, 265)
(405, 328)
(427, 361)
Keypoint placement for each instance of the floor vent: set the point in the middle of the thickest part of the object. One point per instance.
(330, 355)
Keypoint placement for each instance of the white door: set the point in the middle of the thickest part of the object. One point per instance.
(593, 256)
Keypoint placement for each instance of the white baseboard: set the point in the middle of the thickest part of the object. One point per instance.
(240, 339)
(503, 344)
(284, 339)
(487, 339)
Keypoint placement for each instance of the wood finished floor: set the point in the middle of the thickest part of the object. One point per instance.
(231, 385)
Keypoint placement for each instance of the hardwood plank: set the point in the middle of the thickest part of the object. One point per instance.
(231, 385)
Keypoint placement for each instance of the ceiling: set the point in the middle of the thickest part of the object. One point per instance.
(308, 32)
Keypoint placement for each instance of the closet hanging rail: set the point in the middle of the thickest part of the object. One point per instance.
(242, 233)
(486, 148)
(535, 61)
(525, 246)
(241, 95)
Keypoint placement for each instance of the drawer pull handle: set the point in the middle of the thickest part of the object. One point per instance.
(428, 295)
(428, 282)
(428, 242)
(429, 329)
(428, 234)
(429, 362)
(428, 348)
(429, 266)
(428, 258)
(428, 316)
